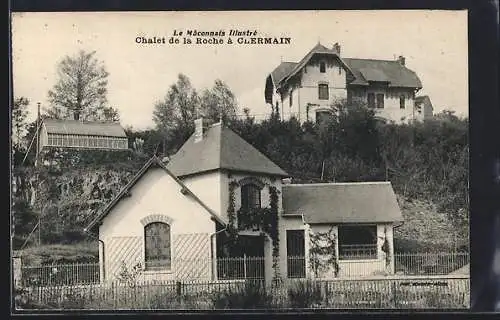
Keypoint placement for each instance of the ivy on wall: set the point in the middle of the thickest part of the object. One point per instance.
(265, 219)
(231, 214)
(386, 248)
(323, 253)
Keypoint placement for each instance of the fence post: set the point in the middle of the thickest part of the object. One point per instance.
(178, 290)
(17, 268)
(245, 266)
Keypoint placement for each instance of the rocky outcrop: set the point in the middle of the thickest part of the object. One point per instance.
(70, 187)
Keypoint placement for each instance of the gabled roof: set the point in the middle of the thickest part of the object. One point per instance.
(424, 99)
(392, 72)
(357, 202)
(221, 148)
(363, 71)
(154, 161)
(317, 49)
(74, 127)
(281, 71)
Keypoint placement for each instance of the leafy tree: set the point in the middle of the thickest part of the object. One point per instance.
(219, 102)
(179, 108)
(24, 219)
(19, 125)
(81, 89)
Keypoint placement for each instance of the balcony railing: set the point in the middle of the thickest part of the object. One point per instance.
(357, 251)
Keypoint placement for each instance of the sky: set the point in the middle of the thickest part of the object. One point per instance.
(434, 43)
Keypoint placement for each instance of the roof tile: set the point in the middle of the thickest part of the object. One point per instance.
(362, 202)
(221, 148)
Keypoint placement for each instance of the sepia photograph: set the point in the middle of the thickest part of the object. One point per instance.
(251, 160)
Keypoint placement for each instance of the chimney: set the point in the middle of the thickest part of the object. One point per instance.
(402, 60)
(336, 48)
(200, 126)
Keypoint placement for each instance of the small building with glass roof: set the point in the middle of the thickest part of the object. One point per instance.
(82, 135)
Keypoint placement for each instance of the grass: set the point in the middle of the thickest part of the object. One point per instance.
(83, 252)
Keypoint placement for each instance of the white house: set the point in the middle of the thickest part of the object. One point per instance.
(424, 108)
(219, 197)
(307, 89)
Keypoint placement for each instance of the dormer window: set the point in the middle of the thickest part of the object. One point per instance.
(250, 196)
(322, 67)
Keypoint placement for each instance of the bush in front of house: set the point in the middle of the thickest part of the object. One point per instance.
(251, 295)
(305, 294)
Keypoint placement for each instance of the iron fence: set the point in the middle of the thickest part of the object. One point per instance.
(61, 274)
(389, 293)
(429, 263)
(241, 268)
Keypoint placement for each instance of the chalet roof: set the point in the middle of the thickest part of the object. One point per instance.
(221, 148)
(392, 72)
(281, 71)
(363, 70)
(357, 202)
(75, 127)
(317, 49)
(153, 162)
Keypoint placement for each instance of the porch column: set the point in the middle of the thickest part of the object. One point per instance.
(390, 238)
(337, 243)
(307, 245)
(268, 260)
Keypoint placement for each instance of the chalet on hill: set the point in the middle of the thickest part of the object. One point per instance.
(307, 89)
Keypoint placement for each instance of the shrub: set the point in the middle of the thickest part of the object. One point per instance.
(253, 295)
(305, 294)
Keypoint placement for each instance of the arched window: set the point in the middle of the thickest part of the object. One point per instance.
(250, 196)
(323, 116)
(157, 246)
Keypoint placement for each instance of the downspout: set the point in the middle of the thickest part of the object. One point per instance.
(214, 258)
(103, 261)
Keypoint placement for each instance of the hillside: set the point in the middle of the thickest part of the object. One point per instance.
(72, 187)
(427, 164)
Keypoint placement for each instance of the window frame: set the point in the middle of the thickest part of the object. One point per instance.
(323, 85)
(372, 104)
(322, 67)
(402, 102)
(379, 102)
(245, 205)
(296, 264)
(327, 112)
(348, 229)
(165, 268)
